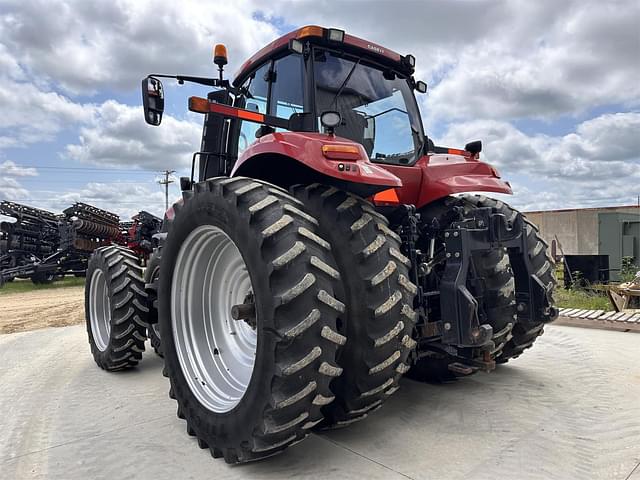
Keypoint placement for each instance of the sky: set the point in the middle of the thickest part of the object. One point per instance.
(552, 88)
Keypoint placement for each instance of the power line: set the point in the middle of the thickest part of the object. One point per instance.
(91, 169)
(166, 183)
(86, 200)
(58, 181)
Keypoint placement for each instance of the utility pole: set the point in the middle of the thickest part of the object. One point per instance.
(166, 181)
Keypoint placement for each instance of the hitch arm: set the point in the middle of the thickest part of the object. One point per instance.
(488, 230)
(459, 308)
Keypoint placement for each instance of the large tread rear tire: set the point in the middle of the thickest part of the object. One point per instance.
(522, 337)
(124, 342)
(376, 289)
(291, 270)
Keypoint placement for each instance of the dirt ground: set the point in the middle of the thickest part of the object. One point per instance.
(57, 307)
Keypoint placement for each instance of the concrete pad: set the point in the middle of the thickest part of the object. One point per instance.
(635, 475)
(565, 409)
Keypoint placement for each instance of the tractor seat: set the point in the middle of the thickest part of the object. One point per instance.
(353, 127)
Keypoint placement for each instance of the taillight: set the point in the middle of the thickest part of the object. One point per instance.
(341, 152)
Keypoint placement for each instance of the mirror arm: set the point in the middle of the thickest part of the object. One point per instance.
(211, 82)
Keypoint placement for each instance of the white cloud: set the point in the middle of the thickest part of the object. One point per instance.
(31, 115)
(598, 164)
(488, 62)
(121, 198)
(12, 169)
(10, 189)
(118, 135)
(9, 65)
(499, 59)
(583, 59)
(85, 47)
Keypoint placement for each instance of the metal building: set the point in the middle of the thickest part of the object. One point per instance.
(593, 240)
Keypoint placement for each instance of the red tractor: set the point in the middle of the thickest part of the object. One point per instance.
(326, 248)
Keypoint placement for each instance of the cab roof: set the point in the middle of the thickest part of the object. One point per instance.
(327, 37)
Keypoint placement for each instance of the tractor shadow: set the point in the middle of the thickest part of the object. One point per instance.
(416, 416)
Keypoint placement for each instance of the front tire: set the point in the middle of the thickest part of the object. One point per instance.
(151, 275)
(242, 241)
(115, 308)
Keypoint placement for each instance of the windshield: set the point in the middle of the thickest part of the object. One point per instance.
(378, 108)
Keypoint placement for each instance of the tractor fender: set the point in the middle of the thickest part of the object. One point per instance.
(289, 158)
(435, 176)
(439, 181)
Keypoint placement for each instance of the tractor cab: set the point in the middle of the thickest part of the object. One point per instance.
(320, 82)
(318, 105)
(360, 95)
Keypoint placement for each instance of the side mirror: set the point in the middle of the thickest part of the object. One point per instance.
(152, 100)
(474, 147)
(421, 86)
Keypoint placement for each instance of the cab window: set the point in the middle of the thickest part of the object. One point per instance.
(377, 106)
(257, 88)
(287, 90)
(285, 78)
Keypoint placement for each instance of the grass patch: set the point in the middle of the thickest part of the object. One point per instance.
(582, 299)
(26, 285)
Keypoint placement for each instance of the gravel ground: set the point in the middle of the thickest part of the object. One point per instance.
(568, 409)
(56, 307)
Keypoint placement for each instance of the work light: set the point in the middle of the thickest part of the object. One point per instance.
(335, 35)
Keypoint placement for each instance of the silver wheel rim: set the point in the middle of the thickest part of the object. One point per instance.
(99, 310)
(216, 352)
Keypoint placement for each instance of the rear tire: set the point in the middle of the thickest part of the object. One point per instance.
(291, 293)
(378, 294)
(520, 337)
(115, 308)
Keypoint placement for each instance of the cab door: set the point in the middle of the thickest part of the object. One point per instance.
(275, 88)
(287, 88)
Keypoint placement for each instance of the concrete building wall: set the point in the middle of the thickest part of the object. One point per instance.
(577, 230)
